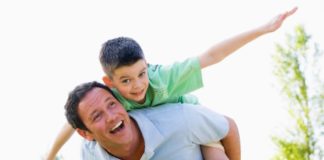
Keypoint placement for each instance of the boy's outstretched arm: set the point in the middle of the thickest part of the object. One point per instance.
(221, 50)
(60, 140)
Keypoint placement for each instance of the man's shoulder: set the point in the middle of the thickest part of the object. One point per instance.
(167, 107)
(163, 111)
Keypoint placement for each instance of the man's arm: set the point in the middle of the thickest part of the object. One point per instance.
(60, 140)
(221, 50)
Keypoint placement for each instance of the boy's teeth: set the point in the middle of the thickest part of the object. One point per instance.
(116, 126)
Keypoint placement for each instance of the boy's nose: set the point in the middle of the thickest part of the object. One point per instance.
(137, 84)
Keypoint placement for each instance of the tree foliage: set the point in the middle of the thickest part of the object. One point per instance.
(298, 72)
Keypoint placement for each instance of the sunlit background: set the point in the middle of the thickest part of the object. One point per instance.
(49, 47)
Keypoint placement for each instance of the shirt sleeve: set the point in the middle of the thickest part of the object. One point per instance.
(171, 82)
(205, 125)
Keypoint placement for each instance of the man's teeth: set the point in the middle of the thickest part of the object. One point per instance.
(116, 126)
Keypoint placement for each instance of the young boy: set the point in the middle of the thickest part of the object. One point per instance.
(139, 85)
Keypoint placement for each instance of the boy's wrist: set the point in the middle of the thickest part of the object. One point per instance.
(261, 30)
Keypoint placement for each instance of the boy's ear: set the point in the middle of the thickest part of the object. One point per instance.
(108, 81)
(85, 134)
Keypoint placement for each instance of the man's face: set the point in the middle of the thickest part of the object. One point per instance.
(132, 81)
(106, 119)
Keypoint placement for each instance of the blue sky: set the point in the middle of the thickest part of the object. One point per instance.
(48, 47)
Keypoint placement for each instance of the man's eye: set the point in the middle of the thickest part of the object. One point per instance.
(96, 117)
(112, 104)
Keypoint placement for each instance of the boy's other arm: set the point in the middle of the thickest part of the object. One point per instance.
(60, 140)
(221, 50)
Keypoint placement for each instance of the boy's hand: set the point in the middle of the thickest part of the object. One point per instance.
(276, 22)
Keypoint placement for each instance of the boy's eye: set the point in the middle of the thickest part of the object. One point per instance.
(125, 81)
(142, 74)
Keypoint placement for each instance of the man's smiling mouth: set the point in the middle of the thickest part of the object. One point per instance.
(117, 127)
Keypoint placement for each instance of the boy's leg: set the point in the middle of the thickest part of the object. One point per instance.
(214, 153)
(228, 149)
(231, 142)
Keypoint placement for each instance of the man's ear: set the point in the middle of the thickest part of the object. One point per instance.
(85, 134)
(108, 81)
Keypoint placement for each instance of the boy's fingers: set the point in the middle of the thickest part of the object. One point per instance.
(288, 13)
(292, 11)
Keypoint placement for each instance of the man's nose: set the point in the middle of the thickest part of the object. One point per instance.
(110, 117)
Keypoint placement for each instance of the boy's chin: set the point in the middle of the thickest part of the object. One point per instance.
(142, 100)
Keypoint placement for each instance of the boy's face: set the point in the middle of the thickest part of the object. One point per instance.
(131, 81)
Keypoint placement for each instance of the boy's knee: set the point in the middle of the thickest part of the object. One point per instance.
(233, 129)
(212, 153)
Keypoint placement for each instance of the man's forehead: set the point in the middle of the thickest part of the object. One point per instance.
(93, 100)
(96, 96)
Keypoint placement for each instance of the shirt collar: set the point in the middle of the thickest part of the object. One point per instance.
(102, 153)
(152, 137)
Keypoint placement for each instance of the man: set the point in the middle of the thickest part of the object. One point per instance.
(170, 131)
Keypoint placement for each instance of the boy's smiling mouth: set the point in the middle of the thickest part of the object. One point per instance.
(138, 93)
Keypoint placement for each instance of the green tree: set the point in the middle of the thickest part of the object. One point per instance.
(298, 72)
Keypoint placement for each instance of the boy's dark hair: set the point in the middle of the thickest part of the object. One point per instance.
(118, 52)
(75, 97)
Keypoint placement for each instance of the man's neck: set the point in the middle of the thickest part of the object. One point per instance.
(138, 148)
(135, 150)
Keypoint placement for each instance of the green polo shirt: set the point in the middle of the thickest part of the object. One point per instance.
(169, 84)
